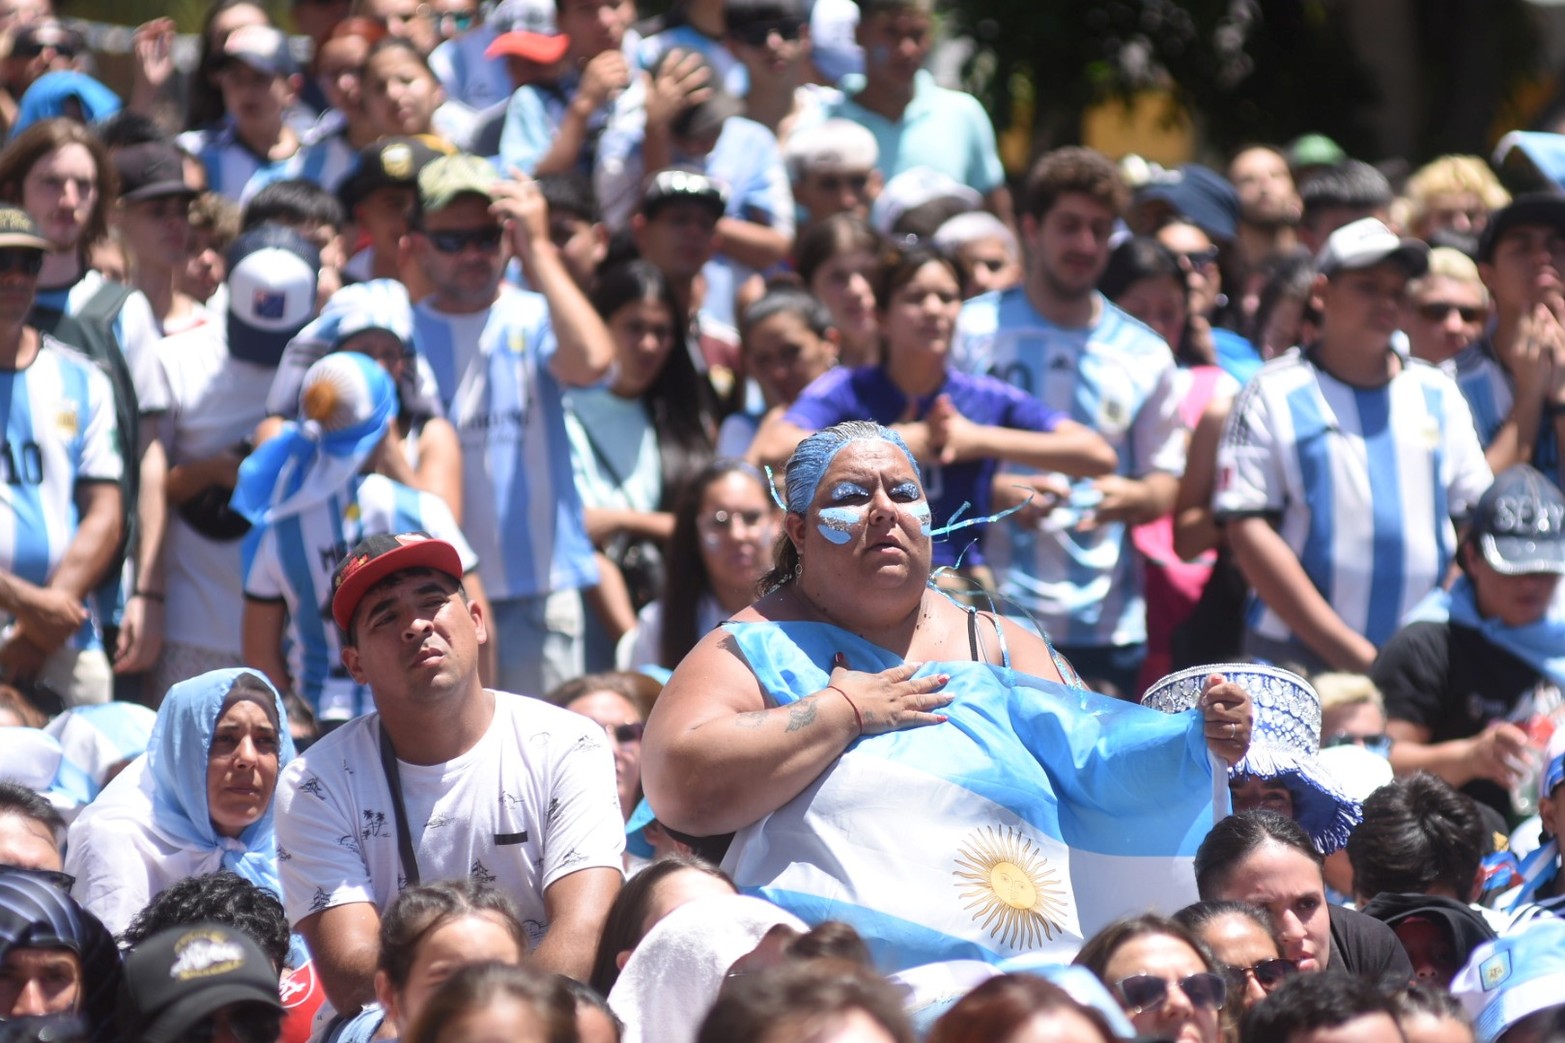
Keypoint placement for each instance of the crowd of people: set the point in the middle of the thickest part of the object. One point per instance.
(529, 524)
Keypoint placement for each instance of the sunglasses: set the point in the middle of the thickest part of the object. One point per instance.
(63, 881)
(725, 519)
(28, 262)
(1378, 744)
(1436, 311)
(1200, 258)
(1143, 992)
(1268, 974)
(626, 733)
(757, 33)
(485, 239)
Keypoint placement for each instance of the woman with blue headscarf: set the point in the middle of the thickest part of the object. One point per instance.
(199, 799)
(932, 775)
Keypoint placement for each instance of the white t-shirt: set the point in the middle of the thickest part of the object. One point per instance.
(533, 801)
(212, 402)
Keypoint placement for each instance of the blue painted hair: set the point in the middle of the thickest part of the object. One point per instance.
(803, 473)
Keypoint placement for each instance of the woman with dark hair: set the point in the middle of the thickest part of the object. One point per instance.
(806, 1001)
(198, 800)
(645, 899)
(205, 106)
(1268, 860)
(619, 702)
(1146, 279)
(964, 426)
(1162, 975)
(636, 442)
(1243, 938)
(836, 259)
(401, 96)
(430, 932)
(1432, 1015)
(724, 527)
(1020, 1008)
(485, 1002)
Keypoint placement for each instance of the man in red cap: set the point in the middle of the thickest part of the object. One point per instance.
(445, 779)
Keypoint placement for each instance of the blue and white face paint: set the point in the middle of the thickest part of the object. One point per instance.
(837, 523)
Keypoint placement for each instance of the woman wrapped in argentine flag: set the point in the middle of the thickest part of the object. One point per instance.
(935, 776)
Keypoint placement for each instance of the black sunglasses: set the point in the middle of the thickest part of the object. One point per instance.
(485, 239)
(1436, 311)
(28, 262)
(63, 881)
(628, 733)
(1200, 258)
(1378, 744)
(756, 33)
(1144, 992)
(1268, 974)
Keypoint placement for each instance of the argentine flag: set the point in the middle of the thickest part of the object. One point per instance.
(1030, 819)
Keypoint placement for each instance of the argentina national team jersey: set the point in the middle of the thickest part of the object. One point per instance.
(59, 430)
(1116, 377)
(292, 561)
(1365, 483)
(236, 172)
(520, 508)
(1490, 394)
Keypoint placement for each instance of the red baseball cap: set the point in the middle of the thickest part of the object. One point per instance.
(543, 48)
(377, 557)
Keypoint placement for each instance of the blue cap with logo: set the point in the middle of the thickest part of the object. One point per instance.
(1512, 977)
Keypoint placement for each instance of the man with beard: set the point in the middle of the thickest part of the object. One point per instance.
(1269, 206)
(1057, 338)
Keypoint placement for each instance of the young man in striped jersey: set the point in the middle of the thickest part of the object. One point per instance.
(1343, 465)
(501, 359)
(60, 526)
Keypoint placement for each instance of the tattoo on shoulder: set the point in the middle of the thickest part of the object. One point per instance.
(801, 714)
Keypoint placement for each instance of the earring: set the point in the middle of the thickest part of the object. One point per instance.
(798, 569)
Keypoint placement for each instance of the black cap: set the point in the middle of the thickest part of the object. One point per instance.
(668, 186)
(1530, 208)
(151, 170)
(1519, 523)
(390, 162)
(182, 975)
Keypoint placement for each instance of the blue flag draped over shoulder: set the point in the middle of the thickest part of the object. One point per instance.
(1035, 815)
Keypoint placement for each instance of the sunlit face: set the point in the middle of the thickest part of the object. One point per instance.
(895, 44)
(783, 354)
(241, 767)
(1198, 259)
(339, 68)
(475, 938)
(621, 722)
(1358, 720)
(1177, 1017)
(1267, 196)
(643, 333)
(468, 278)
(823, 192)
(991, 265)
(921, 313)
(737, 525)
(416, 640)
(594, 26)
(842, 284)
(1516, 600)
(1069, 245)
(1363, 305)
(60, 193)
(1288, 883)
(1461, 212)
(158, 230)
(1160, 303)
(1241, 943)
(866, 528)
(1249, 792)
(39, 981)
(27, 843)
(400, 93)
(1444, 315)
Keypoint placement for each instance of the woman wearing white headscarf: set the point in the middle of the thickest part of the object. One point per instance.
(199, 800)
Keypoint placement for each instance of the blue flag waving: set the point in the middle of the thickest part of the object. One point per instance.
(1035, 815)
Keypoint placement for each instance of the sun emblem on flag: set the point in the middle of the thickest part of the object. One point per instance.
(1009, 887)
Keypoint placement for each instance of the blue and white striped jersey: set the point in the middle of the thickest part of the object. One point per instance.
(292, 561)
(58, 417)
(1117, 377)
(1364, 483)
(236, 172)
(520, 508)
(1491, 394)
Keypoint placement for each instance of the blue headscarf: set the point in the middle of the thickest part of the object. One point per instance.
(47, 96)
(38, 915)
(1541, 644)
(177, 760)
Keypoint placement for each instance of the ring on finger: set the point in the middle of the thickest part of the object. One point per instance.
(1233, 730)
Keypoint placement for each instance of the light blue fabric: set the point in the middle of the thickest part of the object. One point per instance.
(1099, 803)
(1540, 645)
(47, 96)
(177, 759)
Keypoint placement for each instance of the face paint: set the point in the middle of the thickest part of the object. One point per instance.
(837, 523)
(918, 507)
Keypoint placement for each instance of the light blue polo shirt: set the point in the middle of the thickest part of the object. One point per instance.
(942, 129)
